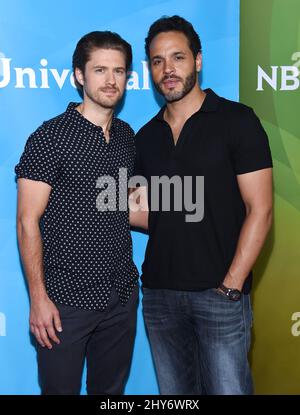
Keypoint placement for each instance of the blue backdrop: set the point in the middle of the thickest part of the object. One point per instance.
(37, 40)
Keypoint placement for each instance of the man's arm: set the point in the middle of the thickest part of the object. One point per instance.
(33, 197)
(138, 207)
(256, 191)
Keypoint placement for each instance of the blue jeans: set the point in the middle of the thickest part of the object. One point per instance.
(199, 341)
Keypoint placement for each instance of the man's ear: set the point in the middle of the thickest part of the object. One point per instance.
(198, 62)
(79, 76)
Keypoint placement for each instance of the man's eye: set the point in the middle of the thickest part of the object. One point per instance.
(179, 57)
(99, 70)
(156, 62)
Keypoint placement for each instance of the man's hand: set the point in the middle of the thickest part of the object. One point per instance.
(44, 320)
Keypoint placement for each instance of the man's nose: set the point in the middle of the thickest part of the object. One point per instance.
(168, 67)
(110, 78)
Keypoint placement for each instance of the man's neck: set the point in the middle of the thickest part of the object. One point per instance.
(180, 111)
(102, 117)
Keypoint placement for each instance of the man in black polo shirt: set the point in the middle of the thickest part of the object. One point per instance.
(73, 232)
(197, 269)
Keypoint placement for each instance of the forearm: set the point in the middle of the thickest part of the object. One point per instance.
(138, 208)
(31, 250)
(250, 243)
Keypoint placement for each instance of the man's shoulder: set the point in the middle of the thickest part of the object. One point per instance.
(55, 123)
(235, 109)
(51, 126)
(52, 131)
(239, 117)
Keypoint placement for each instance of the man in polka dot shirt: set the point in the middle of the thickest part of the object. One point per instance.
(76, 245)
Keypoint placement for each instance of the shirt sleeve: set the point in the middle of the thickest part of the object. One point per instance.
(251, 150)
(39, 160)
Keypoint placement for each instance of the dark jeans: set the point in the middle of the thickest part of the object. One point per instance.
(199, 341)
(105, 338)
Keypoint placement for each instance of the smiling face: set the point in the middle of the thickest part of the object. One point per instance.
(173, 67)
(104, 77)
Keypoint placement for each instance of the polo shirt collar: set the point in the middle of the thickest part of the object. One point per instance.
(210, 104)
(211, 101)
(82, 121)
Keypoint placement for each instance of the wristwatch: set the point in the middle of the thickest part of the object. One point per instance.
(232, 293)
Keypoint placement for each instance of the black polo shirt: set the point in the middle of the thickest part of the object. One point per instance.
(220, 141)
(86, 250)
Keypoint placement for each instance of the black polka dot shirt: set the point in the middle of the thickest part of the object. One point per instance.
(86, 251)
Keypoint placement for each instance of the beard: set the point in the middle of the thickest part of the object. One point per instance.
(104, 101)
(188, 84)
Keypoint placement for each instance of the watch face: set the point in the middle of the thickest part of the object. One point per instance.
(235, 295)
